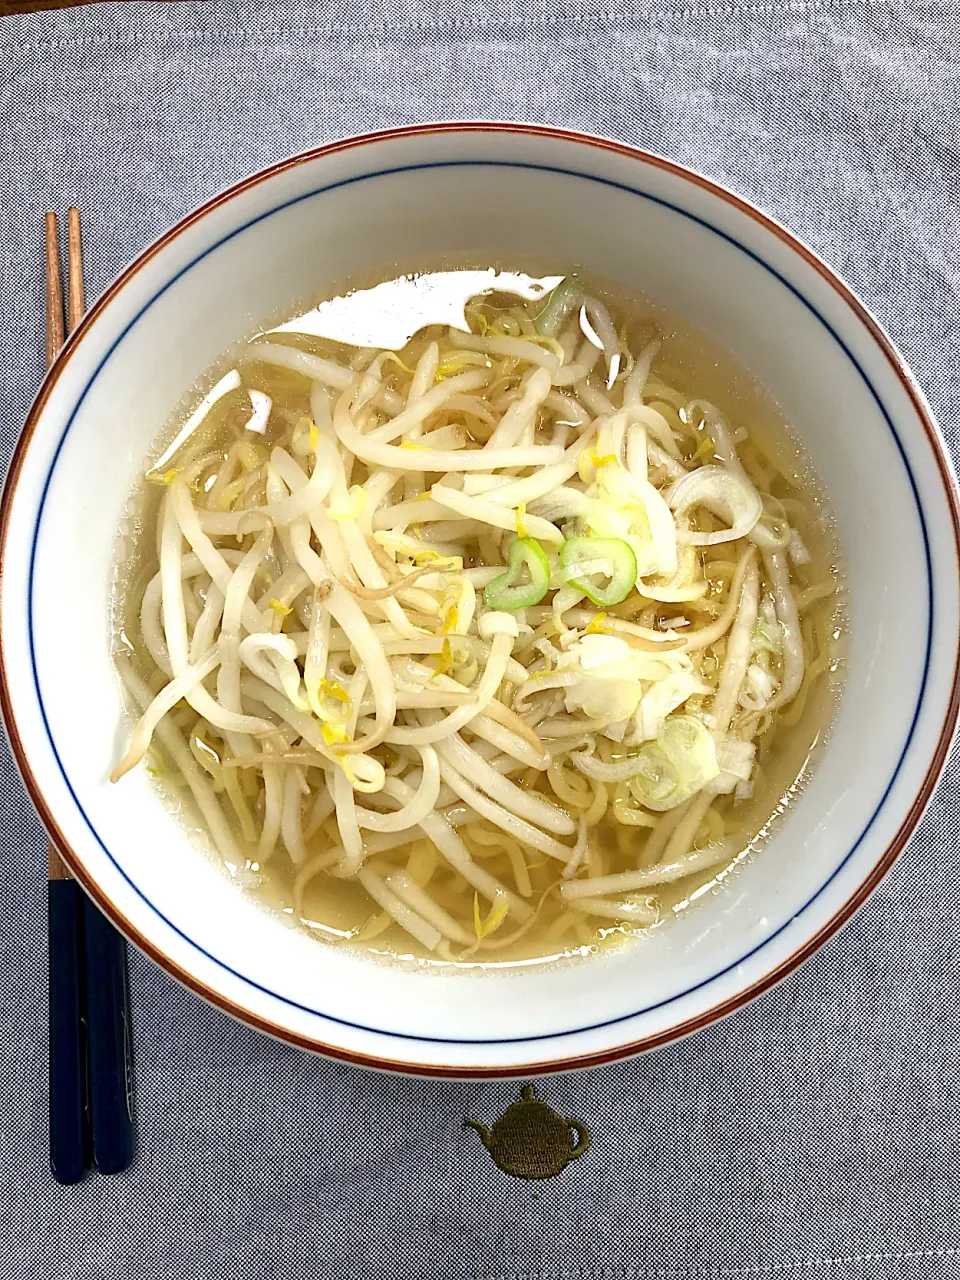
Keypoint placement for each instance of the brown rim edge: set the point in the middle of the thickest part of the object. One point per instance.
(576, 1062)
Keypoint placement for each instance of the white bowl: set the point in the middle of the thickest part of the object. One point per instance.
(509, 193)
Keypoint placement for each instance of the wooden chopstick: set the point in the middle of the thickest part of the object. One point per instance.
(56, 868)
(69, 1121)
(76, 304)
(54, 292)
(90, 1070)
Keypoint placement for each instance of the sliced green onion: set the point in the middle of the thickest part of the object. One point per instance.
(508, 590)
(690, 747)
(727, 494)
(676, 766)
(656, 783)
(558, 306)
(584, 558)
(736, 757)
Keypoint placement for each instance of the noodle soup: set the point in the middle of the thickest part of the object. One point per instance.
(502, 643)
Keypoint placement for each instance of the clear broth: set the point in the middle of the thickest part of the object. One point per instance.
(338, 911)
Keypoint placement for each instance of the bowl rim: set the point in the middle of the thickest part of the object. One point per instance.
(631, 1046)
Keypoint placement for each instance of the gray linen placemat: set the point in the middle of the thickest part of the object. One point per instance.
(815, 1131)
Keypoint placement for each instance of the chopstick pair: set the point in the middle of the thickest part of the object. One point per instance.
(91, 1111)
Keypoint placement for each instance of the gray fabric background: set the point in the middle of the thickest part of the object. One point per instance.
(817, 1131)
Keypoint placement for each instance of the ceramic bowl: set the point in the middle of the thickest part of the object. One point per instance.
(508, 193)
